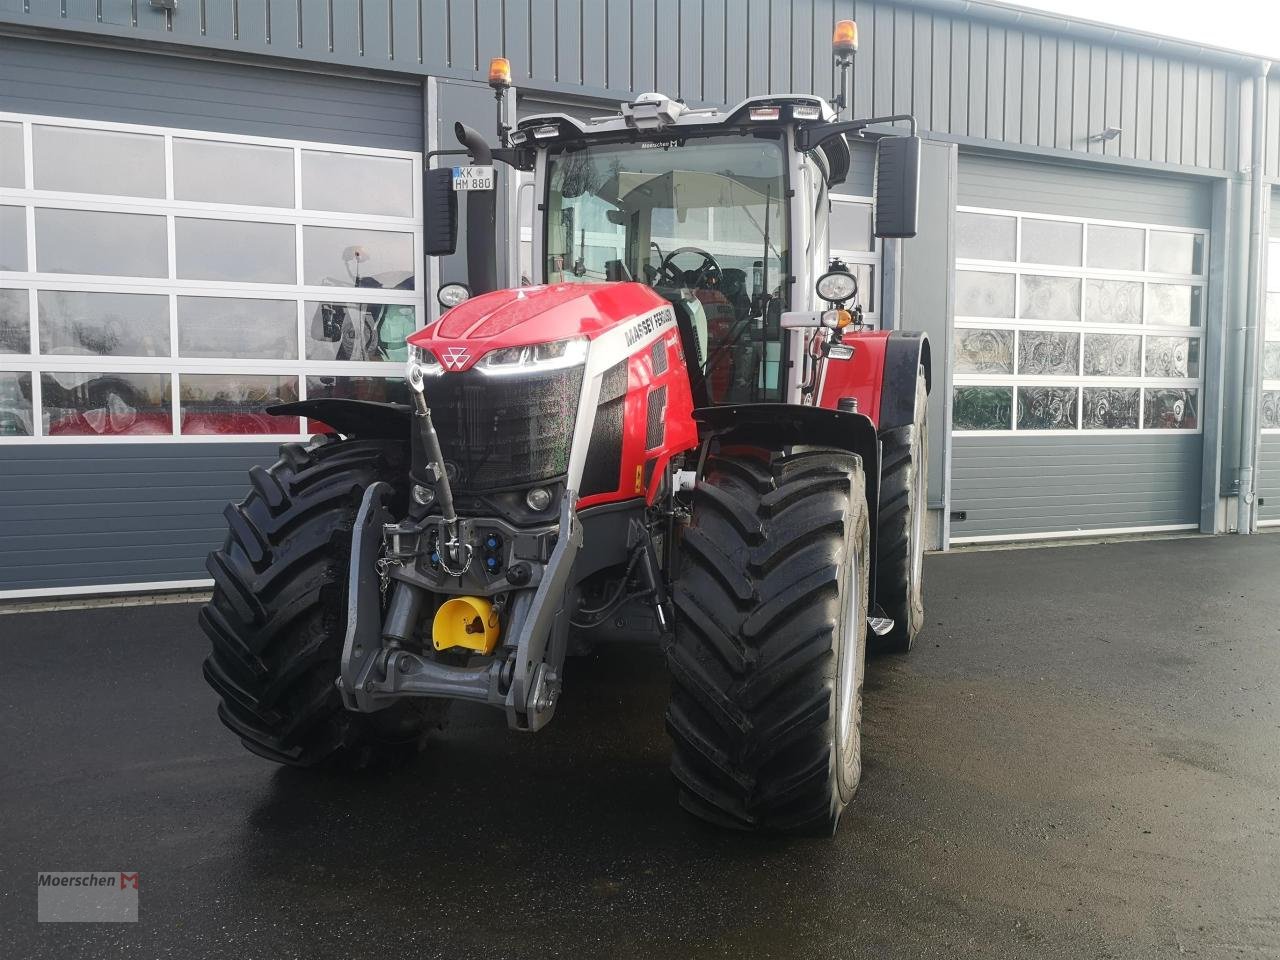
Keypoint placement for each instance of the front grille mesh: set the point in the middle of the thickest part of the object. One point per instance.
(507, 430)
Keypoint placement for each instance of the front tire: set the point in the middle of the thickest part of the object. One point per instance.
(770, 640)
(279, 610)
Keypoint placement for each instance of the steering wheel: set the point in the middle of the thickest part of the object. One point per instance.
(672, 276)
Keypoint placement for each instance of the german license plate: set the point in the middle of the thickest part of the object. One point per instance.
(473, 178)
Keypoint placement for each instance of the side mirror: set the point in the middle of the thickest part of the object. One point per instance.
(439, 212)
(897, 186)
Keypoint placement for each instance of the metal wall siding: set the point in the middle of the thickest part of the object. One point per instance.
(77, 515)
(1269, 477)
(96, 84)
(1016, 485)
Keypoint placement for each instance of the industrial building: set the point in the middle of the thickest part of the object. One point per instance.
(206, 205)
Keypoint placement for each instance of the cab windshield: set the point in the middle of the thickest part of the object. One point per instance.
(703, 222)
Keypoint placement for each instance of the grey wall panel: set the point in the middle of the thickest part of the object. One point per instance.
(96, 84)
(1026, 485)
(1269, 478)
(98, 514)
(1036, 187)
(963, 70)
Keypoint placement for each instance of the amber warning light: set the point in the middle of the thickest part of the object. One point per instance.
(844, 40)
(499, 73)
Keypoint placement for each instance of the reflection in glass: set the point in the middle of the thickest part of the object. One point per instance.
(235, 403)
(15, 322)
(1051, 241)
(1270, 409)
(985, 236)
(13, 239)
(98, 161)
(850, 227)
(1043, 353)
(1050, 298)
(980, 294)
(1176, 252)
(1273, 315)
(983, 351)
(13, 171)
(358, 331)
(1173, 303)
(1113, 301)
(1172, 357)
(1112, 355)
(380, 389)
(249, 174)
(1169, 409)
(103, 324)
(1271, 361)
(79, 404)
(235, 250)
(346, 257)
(1110, 408)
(1047, 408)
(350, 183)
(1116, 248)
(237, 328)
(15, 404)
(94, 242)
(982, 408)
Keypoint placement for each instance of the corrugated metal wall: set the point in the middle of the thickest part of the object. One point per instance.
(962, 74)
(1269, 448)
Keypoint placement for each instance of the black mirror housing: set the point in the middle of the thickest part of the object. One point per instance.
(897, 186)
(439, 213)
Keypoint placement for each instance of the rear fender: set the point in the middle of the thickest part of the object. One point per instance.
(776, 425)
(358, 418)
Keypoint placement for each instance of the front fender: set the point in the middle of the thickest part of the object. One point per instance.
(359, 418)
(905, 355)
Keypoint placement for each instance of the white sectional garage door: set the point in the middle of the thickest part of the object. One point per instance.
(1078, 351)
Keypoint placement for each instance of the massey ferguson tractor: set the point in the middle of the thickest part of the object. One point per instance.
(681, 434)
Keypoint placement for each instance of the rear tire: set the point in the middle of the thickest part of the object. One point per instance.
(770, 640)
(278, 614)
(904, 464)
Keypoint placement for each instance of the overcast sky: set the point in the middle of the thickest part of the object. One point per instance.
(1252, 26)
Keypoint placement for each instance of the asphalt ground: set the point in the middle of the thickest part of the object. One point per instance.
(1080, 759)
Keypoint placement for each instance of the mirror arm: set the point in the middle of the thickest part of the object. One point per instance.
(518, 159)
(811, 137)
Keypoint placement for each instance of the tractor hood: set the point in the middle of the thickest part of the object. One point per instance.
(531, 315)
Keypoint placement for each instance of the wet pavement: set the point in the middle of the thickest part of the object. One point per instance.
(1081, 759)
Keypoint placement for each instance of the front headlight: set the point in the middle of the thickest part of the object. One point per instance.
(837, 286)
(556, 355)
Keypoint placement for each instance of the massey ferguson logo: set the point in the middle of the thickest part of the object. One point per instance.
(646, 325)
(455, 358)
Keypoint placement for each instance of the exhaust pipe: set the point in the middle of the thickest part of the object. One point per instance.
(482, 217)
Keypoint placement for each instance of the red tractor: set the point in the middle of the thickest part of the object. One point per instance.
(682, 435)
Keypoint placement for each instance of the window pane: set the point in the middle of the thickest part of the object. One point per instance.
(984, 294)
(111, 244)
(1271, 361)
(1110, 408)
(12, 164)
(342, 257)
(1270, 408)
(235, 250)
(355, 184)
(1170, 409)
(15, 321)
(237, 329)
(234, 403)
(850, 226)
(1173, 357)
(1050, 298)
(1273, 316)
(1174, 304)
(1047, 408)
(215, 172)
(358, 331)
(103, 324)
(1116, 248)
(982, 408)
(15, 404)
(1051, 241)
(1113, 301)
(105, 404)
(1112, 355)
(865, 273)
(380, 389)
(13, 239)
(983, 351)
(1041, 353)
(1176, 252)
(98, 161)
(983, 236)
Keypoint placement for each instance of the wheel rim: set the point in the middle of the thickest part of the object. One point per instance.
(848, 677)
